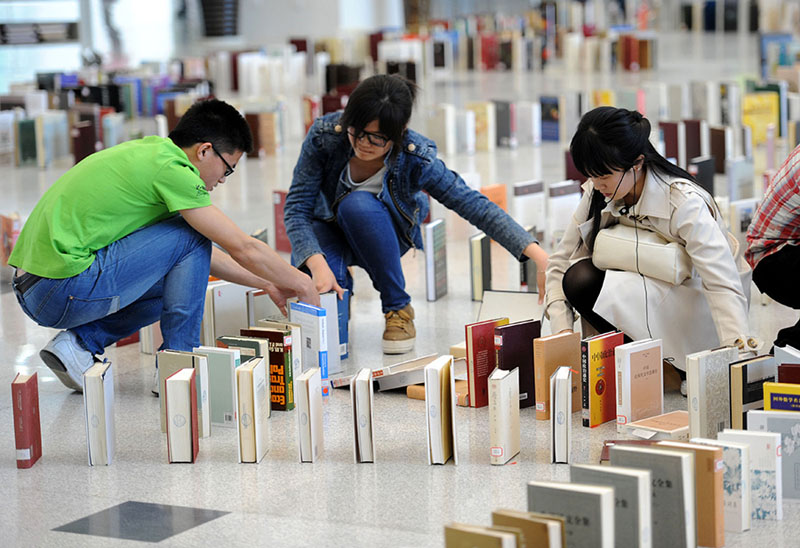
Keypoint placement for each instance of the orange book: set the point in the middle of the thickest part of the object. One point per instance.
(550, 353)
(497, 194)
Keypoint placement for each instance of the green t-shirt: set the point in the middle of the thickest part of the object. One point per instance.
(104, 198)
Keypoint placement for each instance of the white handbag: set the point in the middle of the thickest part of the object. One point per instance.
(617, 248)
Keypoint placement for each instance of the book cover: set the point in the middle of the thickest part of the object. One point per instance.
(442, 128)
(561, 416)
(740, 216)
(549, 353)
(222, 364)
(673, 491)
(669, 426)
(528, 203)
(182, 423)
(440, 416)
(314, 345)
(707, 390)
(513, 344)
(496, 194)
(460, 535)
(485, 125)
(550, 106)
(480, 259)
(252, 395)
(538, 530)
(735, 482)
(781, 396)
(435, 260)
(361, 399)
(789, 373)
(598, 378)
(760, 109)
(563, 200)
(504, 431)
(787, 424)
(260, 307)
(279, 365)
(747, 378)
(481, 358)
(506, 124)
(640, 383)
(702, 169)
(171, 361)
(309, 415)
(587, 509)
(632, 500)
(27, 424)
(337, 313)
(292, 341)
(766, 471)
(98, 400)
(282, 242)
(669, 136)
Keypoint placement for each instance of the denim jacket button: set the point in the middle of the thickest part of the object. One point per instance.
(412, 147)
(337, 128)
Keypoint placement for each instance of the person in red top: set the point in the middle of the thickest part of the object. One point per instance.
(773, 238)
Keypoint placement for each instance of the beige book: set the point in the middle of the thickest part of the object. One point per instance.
(440, 411)
(640, 382)
(709, 497)
(98, 399)
(361, 396)
(170, 362)
(179, 412)
(538, 530)
(461, 535)
(252, 403)
(550, 353)
(669, 426)
(504, 432)
(309, 415)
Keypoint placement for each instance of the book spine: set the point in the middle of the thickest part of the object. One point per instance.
(541, 384)
(498, 349)
(194, 427)
(622, 400)
(496, 451)
(585, 384)
(323, 355)
(288, 367)
(23, 431)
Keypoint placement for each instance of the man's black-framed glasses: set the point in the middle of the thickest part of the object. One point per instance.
(375, 139)
(228, 168)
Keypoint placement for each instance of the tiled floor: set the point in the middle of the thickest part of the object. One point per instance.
(399, 500)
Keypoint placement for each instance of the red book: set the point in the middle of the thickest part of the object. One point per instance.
(193, 420)
(282, 242)
(490, 51)
(27, 427)
(311, 110)
(789, 373)
(481, 359)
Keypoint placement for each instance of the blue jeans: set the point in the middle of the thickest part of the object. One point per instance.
(364, 235)
(159, 272)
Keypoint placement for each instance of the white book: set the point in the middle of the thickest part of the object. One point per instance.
(766, 478)
(171, 361)
(708, 391)
(435, 259)
(504, 431)
(98, 400)
(260, 307)
(180, 421)
(739, 218)
(309, 415)
(632, 498)
(714, 116)
(440, 405)
(314, 344)
(465, 132)
(529, 123)
(150, 338)
(330, 302)
(253, 404)
(683, 161)
(589, 510)
(736, 482)
(740, 173)
(442, 129)
(528, 203)
(561, 415)
(787, 424)
(655, 101)
(563, 199)
(640, 382)
(699, 93)
(786, 354)
(673, 489)
(361, 398)
(221, 364)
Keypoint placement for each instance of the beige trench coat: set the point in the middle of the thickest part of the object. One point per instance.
(708, 310)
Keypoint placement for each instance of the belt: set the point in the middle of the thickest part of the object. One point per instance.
(25, 282)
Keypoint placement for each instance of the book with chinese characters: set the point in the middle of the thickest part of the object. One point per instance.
(588, 510)
(640, 382)
(538, 530)
(513, 345)
(787, 424)
(561, 415)
(550, 353)
(735, 482)
(781, 396)
(709, 503)
(98, 399)
(480, 260)
(313, 322)
(632, 498)
(221, 364)
(673, 491)
(504, 431)
(252, 402)
(747, 378)
(27, 424)
(481, 358)
(309, 415)
(172, 361)
(440, 415)
(435, 260)
(707, 390)
(598, 378)
(669, 426)
(182, 423)
(361, 399)
(766, 471)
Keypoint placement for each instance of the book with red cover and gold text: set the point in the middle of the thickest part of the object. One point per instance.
(27, 426)
(481, 359)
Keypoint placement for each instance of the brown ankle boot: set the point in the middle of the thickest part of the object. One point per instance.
(399, 334)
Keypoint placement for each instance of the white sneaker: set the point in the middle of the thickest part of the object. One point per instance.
(683, 388)
(67, 359)
(156, 387)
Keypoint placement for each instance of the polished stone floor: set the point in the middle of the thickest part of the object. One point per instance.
(399, 500)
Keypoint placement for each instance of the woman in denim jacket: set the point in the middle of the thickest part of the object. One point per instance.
(356, 199)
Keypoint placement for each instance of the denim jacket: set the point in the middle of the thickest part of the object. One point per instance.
(316, 191)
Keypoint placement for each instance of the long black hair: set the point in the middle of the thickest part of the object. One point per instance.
(388, 98)
(612, 139)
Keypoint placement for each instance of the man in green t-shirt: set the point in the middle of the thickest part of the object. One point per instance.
(123, 239)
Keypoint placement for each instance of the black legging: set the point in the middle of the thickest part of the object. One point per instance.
(582, 284)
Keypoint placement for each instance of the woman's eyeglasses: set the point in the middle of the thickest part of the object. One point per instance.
(375, 139)
(228, 168)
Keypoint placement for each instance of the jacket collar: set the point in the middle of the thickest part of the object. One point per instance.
(654, 202)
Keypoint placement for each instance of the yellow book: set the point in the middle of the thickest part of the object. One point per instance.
(781, 396)
(760, 109)
(603, 98)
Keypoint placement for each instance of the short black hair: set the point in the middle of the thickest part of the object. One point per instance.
(388, 98)
(213, 121)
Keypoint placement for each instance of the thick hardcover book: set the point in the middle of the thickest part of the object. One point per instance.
(550, 353)
(513, 345)
(766, 471)
(735, 482)
(314, 328)
(481, 358)
(709, 503)
(747, 378)
(504, 430)
(787, 424)
(280, 369)
(632, 500)
(171, 361)
(440, 402)
(673, 489)
(98, 399)
(222, 364)
(640, 383)
(707, 390)
(588, 509)
(538, 530)
(435, 260)
(598, 378)
(282, 242)
(182, 424)
(309, 415)
(252, 402)
(27, 425)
